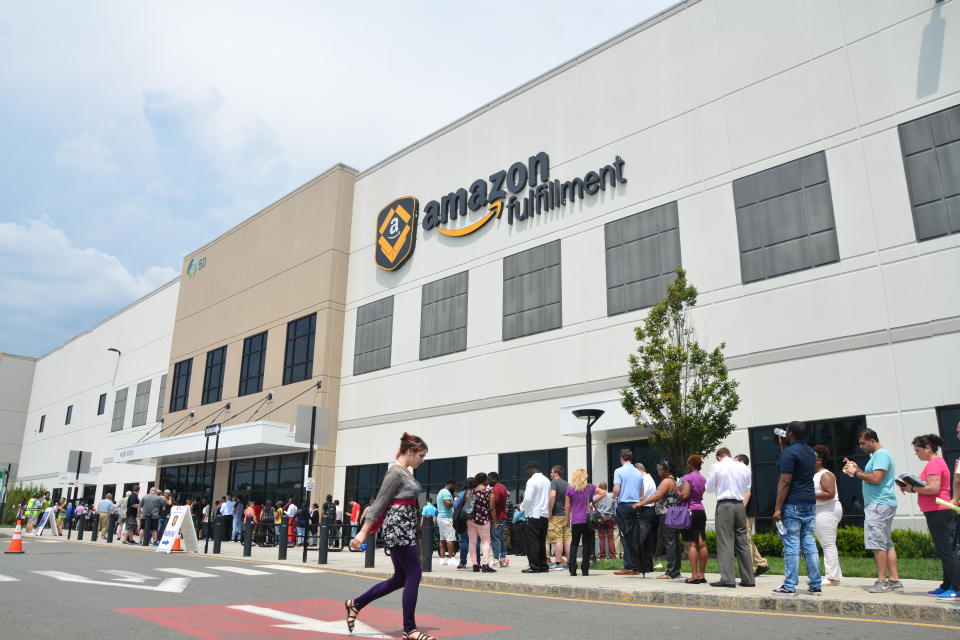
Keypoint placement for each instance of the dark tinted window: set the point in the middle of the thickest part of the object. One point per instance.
(948, 418)
(298, 358)
(213, 375)
(102, 404)
(140, 404)
(251, 366)
(434, 472)
(69, 415)
(363, 482)
(443, 316)
(531, 291)
(181, 385)
(513, 473)
(119, 409)
(162, 395)
(372, 345)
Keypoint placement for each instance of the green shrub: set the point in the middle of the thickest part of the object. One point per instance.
(13, 499)
(913, 544)
(711, 541)
(850, 542)
(768, 544)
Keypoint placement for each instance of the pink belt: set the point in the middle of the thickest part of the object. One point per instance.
(379, 521)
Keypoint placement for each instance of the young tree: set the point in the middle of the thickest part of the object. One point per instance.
(678, 390)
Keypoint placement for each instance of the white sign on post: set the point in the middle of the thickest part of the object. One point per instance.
(43, 521)
(179, 522)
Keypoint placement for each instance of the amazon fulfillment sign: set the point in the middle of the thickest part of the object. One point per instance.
(522, 191)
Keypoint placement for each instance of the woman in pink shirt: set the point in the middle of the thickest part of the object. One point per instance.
(940, 519)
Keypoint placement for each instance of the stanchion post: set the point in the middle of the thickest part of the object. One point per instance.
(111, 528)
(80, 526)
(426, 544)
(247, 536)
(324, 539)
(282, 538)
(371, 552)
(217, 534)
(96, 527)
(345, 537)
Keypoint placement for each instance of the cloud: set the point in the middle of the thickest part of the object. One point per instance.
(53, 289)
(87, 154)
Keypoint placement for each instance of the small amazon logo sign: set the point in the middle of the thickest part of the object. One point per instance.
(396, 233)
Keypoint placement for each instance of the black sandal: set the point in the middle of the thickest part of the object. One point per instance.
(352, 612)
(416, 634)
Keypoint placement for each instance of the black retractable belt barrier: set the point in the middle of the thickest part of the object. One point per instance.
(111, 528)
(426, 544)
(247, 536)
(324, 538)
(371, 552)
(217, 534)
(96, 527)
(80, 527)
(282, 539)
(69, 528)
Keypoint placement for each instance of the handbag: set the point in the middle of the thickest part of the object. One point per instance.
(679, 517)
(595, 519)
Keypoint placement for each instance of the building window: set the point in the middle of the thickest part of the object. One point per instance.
(163, 391)
(371, 350)
(643, 250)
(513, 467)
(931, 160)
(190, 481)
(298, 360)
(785, 219)
(840, 435)
(213, 375)
(362, 483)
(949, 417)
(443, 316)
(181, 385)
(269, 478)
(642, 452)
(251, 365)
(119, 408)
(531, 291)
(140, 403)
(102, 404)
(433, 474)
(69, 415)
(43, 421)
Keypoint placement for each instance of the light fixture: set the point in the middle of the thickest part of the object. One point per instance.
(591, 416)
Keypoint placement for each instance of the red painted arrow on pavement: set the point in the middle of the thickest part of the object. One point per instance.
(296, 620)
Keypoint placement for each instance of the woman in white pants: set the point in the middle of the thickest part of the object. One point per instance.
(829, 512)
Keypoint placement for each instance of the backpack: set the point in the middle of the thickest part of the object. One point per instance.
(463, 511)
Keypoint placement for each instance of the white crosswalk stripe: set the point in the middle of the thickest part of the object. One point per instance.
(290, 568)
(242, 571)
(8, 579)
(187, 573)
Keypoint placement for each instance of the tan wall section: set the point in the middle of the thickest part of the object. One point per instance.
(286, 262)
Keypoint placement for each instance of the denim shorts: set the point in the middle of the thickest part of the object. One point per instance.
(878, 526)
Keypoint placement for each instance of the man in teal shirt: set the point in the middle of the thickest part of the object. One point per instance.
(448, 536)
(880, 506)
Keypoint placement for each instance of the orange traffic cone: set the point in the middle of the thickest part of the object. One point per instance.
(176, 544)
(16, 545)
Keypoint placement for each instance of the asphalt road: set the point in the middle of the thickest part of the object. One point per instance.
(64, 590)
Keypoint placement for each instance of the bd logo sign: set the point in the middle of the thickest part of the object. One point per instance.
(396, 233)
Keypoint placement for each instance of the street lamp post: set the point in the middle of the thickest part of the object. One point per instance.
(591, 416)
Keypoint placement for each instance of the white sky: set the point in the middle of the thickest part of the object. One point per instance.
(134, 132)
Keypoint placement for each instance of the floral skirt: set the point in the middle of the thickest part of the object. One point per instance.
(399, 527)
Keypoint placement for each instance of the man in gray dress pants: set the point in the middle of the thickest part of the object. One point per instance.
(730, 480)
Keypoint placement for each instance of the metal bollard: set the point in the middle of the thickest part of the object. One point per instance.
(217, 534)
(345, 538)
(282, 539)
(111, 528)
(96, 528)
(426, 544)
(324, 539)
(371, 553)
(247, 536)
(69, 528)
(80, 527)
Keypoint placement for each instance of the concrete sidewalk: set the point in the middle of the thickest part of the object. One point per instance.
(847, 600)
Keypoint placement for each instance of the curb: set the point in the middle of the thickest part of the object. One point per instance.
(800, 604)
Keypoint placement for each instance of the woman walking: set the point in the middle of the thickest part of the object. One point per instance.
(580, 495)
(478, 527)
(666, 497)
(695, 538)
(941, 520)
(829, 513)
(395, 507)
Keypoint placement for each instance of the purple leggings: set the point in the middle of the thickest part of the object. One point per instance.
(406, 573)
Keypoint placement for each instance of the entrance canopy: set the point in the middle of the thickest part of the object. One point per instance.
(252, 439)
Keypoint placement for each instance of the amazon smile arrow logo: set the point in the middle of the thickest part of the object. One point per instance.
(494, 211)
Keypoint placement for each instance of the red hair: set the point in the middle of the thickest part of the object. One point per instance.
(411, 443)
